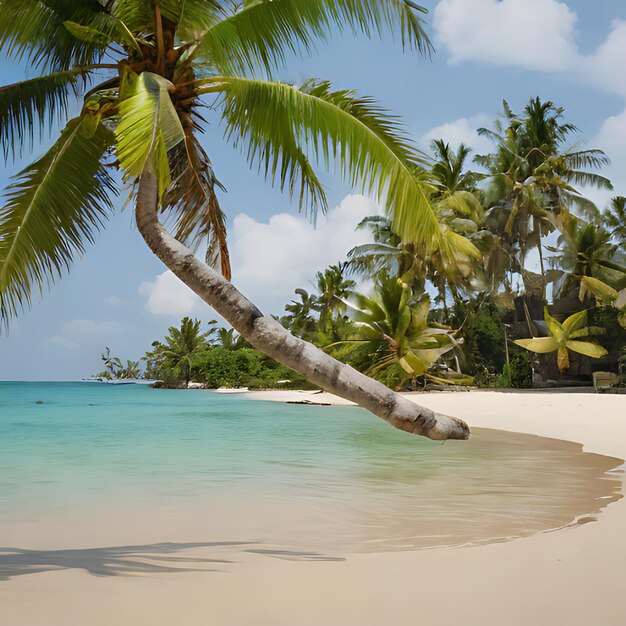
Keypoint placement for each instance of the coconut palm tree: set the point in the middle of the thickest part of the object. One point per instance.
(299, 319)
(142, 70)
(179, 348)
(228, 339)
(387, 254)
(533, 172)
(614, 219)
(131, 370)
(112, 365)
(583, 250)
(333, 288)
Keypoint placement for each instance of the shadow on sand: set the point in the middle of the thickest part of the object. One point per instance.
(157, 558)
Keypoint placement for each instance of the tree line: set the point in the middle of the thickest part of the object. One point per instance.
(478, 315)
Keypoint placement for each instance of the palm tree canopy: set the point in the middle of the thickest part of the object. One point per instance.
(142, 70)
(393, 326)
(180, 346)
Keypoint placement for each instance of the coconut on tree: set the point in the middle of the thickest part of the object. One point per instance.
(143, 70)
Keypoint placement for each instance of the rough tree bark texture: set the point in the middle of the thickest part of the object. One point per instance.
(268, 336)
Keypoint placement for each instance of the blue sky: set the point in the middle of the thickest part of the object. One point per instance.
(120, 296)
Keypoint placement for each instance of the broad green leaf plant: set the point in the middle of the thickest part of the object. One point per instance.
(564, 337)
(393, 327)
(605, 295)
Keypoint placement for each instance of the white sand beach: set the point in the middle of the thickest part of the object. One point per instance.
(573, 576)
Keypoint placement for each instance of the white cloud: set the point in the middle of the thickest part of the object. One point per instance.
(112, 301)
(533, 34)
(605, 67)
(79, 333)
(272, 259)
(167, 295)
(462, 131)
(612, 139)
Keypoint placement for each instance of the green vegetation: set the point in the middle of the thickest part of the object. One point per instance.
(451, 258)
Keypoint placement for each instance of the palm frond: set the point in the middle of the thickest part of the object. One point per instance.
(273, 144)
(192, 17)
(149, 127)
(262, 33)
(589, 179)
(367, 145)
(587, 159)
(35, 30)
(53, 208)
(137, 15)
(192, 204)
(36, 104)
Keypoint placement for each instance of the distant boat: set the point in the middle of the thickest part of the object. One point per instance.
(119, 381)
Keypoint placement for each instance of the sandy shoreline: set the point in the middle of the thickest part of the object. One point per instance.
(571, 576)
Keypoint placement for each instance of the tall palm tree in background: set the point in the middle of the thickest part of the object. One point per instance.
(614, 219)
(455, 200)
(141, 68)
(333, 288)
(299, 319)
(179, 348)
(228, 339)
(584, 249)
(533, 171)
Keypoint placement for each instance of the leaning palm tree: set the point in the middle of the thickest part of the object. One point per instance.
(143, 69)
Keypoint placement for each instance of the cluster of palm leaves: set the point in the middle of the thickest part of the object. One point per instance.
(320, 316)
(114, 368)
(177, 351)
(393, 328)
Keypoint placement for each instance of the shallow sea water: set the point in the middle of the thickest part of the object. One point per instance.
(84, 464)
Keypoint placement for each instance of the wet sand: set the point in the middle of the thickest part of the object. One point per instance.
(568, 576)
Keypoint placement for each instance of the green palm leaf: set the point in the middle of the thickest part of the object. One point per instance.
(540, 345)
(137, 15)
(52, 209)
(368, 146)
(587, 348)
(149, 127)
(271, 142)
(35, 104)
(35, 29)
(264, 32)
(192, 17)
(192, 204)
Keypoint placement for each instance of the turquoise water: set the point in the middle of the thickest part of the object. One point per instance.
(304, 476)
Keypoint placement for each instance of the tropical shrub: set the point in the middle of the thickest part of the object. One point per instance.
(393, 329)
(565, 337)
(482, 328)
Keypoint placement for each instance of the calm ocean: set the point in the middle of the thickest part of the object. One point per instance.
(305, 476)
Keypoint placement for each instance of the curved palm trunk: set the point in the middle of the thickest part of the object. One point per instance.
(266, 334)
